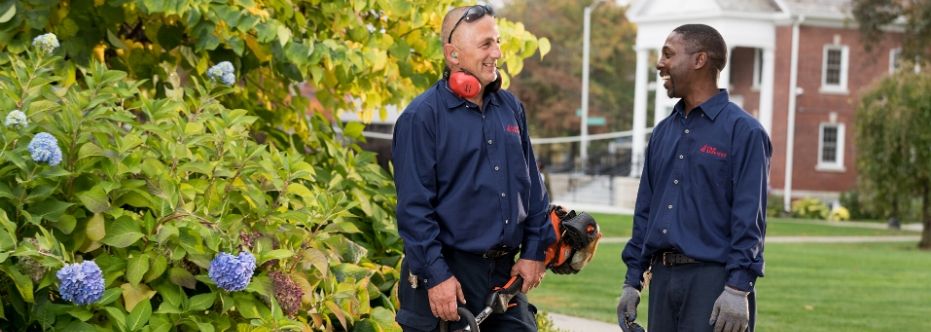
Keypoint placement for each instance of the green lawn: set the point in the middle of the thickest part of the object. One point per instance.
(613, 225)
(809, 287)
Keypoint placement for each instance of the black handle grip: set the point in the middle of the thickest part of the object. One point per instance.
(464, 314)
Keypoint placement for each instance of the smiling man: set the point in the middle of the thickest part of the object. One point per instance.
(700, 216)
(470, 199)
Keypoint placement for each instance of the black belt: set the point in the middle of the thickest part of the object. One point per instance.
(496, 253)
(674, 258)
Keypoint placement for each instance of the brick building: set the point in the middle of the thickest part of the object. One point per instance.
(776, 47)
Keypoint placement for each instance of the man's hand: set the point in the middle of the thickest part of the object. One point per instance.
(731, 311)
(532, 272)
(627, 306)
(443, 299)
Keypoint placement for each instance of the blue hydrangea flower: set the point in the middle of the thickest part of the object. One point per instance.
(16, 118)
(46, 43)
(44, 149)
(81, 283)
(223, 71)
(230, 272)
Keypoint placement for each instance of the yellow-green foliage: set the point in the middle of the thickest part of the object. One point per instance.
(810, 208)
(839, 214)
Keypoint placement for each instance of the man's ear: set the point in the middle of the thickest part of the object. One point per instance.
(449, 51)
(700, 60)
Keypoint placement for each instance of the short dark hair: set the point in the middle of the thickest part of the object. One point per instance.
(703, 38)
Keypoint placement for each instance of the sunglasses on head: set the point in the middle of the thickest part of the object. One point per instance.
(470, 15)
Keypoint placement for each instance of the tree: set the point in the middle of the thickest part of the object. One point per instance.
(874, 15)
(550, 88)
(894, 145)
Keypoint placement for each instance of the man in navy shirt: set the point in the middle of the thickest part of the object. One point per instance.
(469, 192)
(700, 215)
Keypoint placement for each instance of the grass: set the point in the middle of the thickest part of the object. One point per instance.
(613, 225)
(810, 287)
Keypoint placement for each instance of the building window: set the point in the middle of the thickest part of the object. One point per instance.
(831, 147)
(757, 68)
(894, 55)
(834, 69)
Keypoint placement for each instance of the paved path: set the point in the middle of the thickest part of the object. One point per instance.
(576, 324)
(812, 239)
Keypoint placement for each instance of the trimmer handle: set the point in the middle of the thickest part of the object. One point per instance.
(464, 314)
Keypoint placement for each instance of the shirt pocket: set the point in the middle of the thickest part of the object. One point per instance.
(714, 170)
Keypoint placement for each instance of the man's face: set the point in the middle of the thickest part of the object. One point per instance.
(478, 49)
(674, 66)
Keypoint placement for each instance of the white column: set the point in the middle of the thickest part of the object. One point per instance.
(766, 90)
(660, 100)
(724, 81)
(638, 147)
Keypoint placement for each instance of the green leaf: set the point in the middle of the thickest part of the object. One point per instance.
(157, 267)
(182, 277)
(81, 313)
(49, 209)
(109, 296)
(137, 267)
(114, 40)
(122, 233)
(544, 46)
(90, 150)
(275, 254)
(171, 294)
(8, 12)
(117, 315)
(95, 229)
(23, 283)
(139, 316)
(95, 199)
(202, 301)
(66, 223)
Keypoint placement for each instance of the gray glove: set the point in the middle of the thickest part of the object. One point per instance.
(731, 311)
(627, 306)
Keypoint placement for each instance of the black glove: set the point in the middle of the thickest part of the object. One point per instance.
(627, 309)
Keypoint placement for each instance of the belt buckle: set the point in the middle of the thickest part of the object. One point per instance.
(665, 261)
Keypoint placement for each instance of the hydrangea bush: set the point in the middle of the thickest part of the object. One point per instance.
(126, 208)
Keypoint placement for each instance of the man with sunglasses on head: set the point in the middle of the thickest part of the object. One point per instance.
(700, 216)
(470, 199)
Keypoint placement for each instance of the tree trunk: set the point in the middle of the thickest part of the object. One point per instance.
(925, 243)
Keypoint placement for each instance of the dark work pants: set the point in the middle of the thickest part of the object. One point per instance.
(682, 297)
(478, 276)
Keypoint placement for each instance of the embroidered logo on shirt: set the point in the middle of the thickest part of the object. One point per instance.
(513, 129)
(712, 151)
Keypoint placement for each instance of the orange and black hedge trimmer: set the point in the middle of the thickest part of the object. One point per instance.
(577, 236)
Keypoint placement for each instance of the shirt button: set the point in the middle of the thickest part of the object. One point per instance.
(680, 156)
(686, 131)
(507, 220)
(669, 206)
(675, 181)
(664, 231)
(503, 195)
(490, 141)
(496, 168)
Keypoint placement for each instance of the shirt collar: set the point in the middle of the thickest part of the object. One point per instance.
(453, 101)
(711, 107)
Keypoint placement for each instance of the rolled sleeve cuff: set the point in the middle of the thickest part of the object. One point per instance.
(743, 280)
(534, 250)
(436, 273)
(634, 278)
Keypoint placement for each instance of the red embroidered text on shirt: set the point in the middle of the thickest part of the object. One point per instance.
(513, 129)
(712, 151)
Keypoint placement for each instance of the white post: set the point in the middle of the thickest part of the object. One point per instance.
(638, 140)
(766, 90)
(724, 81)
(660, 100)
(790, 121)
(586, 35)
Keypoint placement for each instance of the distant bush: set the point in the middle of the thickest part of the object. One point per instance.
(839, 214)
(774, 206)
(810, 208)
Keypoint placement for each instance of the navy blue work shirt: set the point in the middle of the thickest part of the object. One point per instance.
(466, 179)
(703, 192)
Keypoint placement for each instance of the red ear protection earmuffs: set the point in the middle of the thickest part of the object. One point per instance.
(466, 85)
